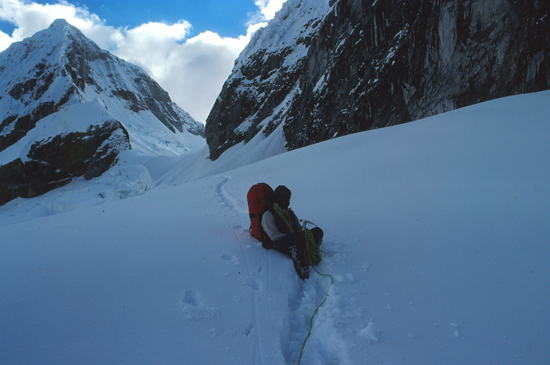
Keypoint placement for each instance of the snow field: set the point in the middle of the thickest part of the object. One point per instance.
(436, 236)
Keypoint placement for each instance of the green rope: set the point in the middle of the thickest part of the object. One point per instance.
(313, 253)
(325, 275)
(282, 216)
(310, 326)
(314, 313)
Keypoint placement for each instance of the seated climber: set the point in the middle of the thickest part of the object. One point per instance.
(283, 229)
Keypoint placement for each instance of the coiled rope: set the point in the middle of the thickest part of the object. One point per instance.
(312, 252)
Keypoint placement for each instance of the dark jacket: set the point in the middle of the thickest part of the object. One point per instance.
(279, 229)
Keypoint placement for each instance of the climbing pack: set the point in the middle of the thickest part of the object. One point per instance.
(259, 197)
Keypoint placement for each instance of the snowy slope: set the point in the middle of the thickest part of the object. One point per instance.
(436, 235)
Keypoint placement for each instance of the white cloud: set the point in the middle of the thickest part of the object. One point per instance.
(151, 45)
(30, 17)
(192, 70)
(268, 8)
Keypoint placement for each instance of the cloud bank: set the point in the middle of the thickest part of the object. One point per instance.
(191, 69)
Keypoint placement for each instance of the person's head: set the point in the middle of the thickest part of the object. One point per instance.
(281, 196)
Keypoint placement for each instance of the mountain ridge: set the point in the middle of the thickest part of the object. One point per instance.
(52, 73)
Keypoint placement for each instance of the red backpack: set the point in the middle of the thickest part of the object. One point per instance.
(260, 198)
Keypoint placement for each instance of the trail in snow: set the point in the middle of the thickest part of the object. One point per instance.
(255, 278)
(252, 282)
(326, 343)
(234, 205)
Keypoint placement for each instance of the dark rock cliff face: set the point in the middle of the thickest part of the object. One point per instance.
(372, 64)
(55, 162)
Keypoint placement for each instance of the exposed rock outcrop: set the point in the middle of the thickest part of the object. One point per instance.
(365, 64)
(55, 162)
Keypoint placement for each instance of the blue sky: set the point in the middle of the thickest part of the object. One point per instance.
(227, 18)
(188, 46)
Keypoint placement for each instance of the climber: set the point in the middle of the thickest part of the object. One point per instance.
(285, 233)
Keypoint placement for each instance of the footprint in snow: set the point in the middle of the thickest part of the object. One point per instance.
(194, 306)
(248, 330)
(370, 333)
(229, 257)
(252, 284)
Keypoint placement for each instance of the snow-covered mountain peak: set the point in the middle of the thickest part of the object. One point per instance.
(61, 30)
(63, 25)
(49, 45)
(61, 65)
(58, 69)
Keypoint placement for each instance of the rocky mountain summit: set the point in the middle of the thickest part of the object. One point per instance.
(68, 108)
(323, 69)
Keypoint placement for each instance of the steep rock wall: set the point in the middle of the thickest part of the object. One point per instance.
(372, 64)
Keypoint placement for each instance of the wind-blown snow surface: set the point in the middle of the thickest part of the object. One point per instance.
(436, 233)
